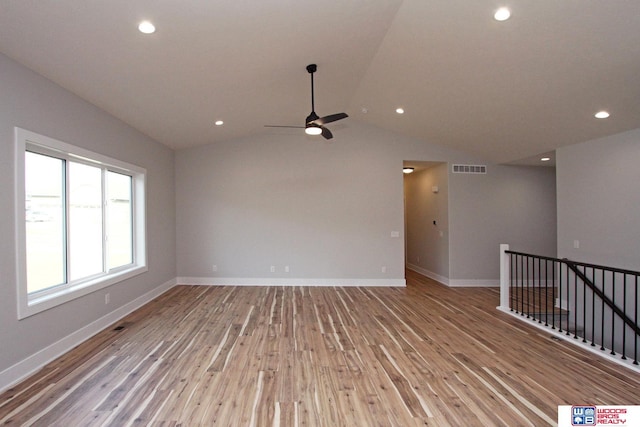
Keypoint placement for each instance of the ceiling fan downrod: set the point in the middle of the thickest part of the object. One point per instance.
(312, 68)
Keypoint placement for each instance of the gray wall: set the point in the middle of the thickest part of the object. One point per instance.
(325, 209)
(428, 243)
(599, 201)
(34, 103)
(510, 204)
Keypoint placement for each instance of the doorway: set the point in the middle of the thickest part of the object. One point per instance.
(426, 218)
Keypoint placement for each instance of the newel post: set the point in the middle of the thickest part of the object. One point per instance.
(504, 277)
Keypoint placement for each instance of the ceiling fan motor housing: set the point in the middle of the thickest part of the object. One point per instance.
(311, 117)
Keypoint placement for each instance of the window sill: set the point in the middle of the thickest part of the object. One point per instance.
(35, 305)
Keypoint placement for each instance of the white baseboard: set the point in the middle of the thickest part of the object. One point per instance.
(252, 281)
(468, 283)
(454, 283)
(429, 274)
(31, 364)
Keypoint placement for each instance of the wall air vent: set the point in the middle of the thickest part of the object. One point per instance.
(469, 169)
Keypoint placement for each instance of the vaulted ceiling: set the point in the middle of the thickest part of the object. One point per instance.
(504, 90)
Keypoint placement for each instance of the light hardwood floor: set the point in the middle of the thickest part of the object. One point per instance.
(304, 356)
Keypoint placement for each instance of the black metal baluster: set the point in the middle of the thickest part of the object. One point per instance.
(624, 311)
(553, 309)
(527, 279)
(546, 292)
(560, 314)
(521, 258)
(613, 314)
(593, 308)
(520, 285)
(530, 286)
(584, 307)
(512, 271)
(635, 348)
(532, 281)
(568, 301)
(604, 292)
(575, 306)
(538, 284)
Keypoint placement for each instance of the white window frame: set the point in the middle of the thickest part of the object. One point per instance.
(29, 305)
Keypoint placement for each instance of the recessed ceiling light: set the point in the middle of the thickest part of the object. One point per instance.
(545, 159)
(602, 115)
(502, 14)
(146, 27)
(400, 110)
(219, 122)
(407, 170)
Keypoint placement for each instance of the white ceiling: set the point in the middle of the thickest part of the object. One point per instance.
(507, 91)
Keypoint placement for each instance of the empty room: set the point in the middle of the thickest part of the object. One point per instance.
(346, 213)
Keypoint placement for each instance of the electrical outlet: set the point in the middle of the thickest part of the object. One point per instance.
(384, 269)
(286, 268)
(214, 268)
(576, 244)
(273, 268)
(107, 298)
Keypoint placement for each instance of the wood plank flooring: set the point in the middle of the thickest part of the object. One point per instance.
(299, 356)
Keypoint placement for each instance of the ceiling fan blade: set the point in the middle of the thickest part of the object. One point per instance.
(278, 126)
(332, 118)
(326, 133)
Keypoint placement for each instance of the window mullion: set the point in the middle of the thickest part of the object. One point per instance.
(65, 224)
(134, 223)
(105, 218)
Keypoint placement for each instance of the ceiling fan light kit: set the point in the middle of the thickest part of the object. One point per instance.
(312, 129)
(314, 125)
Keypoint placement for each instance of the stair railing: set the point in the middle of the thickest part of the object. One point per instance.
(596, 303)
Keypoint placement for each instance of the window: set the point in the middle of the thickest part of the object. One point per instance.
(81, 222)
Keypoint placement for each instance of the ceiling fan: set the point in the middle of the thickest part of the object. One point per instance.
(314, 125)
